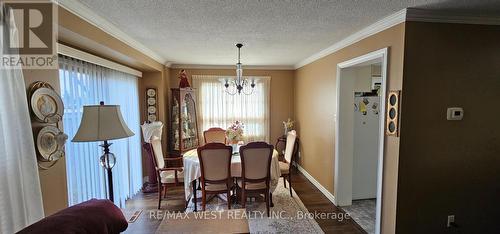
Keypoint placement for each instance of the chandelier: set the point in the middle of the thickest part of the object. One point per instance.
(239, 84)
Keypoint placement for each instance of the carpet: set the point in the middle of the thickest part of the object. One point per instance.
(226, 221)
(287, 215)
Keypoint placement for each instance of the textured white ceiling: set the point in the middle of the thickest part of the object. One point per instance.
(273, 32)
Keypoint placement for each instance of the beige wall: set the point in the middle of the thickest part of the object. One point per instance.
(450, 167)
(315, 98)
(281, 92)
(158, 80)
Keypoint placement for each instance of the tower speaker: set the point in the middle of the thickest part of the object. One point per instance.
(392, 116)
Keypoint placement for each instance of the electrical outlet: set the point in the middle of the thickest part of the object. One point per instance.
(451, 219)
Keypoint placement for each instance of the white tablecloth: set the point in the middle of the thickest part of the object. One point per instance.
(192, 169)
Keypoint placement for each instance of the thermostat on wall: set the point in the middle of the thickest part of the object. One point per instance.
(455, 113)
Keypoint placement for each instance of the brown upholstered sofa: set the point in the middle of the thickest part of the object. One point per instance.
(92, 216)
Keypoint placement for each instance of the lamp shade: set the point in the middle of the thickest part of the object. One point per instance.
(101, 123)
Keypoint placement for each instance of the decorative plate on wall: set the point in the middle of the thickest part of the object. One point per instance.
(47, 105)
(151, 118)
(151, 92)
(151, 101)
(47, 111)
(151, 105)
(50, 143)
(151, 110)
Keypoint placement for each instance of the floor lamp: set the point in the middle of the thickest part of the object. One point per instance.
(103, 123)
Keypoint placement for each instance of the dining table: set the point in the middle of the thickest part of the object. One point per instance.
(192, 172)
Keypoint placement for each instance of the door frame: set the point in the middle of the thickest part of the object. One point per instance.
(378, 54)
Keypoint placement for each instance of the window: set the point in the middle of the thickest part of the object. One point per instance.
(219, 109)
(85, 83)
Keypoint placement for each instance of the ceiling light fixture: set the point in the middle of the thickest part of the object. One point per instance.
(239, 84)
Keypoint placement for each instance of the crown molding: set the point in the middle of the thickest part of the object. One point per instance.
(88, 15)
(421, 15)
(381, 25)
(168, 64)
(232, 67)
(408, 14)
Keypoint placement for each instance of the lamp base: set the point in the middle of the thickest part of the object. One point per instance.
(108, 166)
(110, 185)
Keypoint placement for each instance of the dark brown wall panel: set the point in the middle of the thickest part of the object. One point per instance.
(450, 167)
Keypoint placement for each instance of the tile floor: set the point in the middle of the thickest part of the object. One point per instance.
(363, 212)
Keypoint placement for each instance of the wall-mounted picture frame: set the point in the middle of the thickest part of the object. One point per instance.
(392, 115)
(151, 105)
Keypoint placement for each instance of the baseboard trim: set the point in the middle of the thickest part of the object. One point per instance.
(317, 184)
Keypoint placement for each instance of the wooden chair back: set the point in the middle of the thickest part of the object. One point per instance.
(215, 135)
(157, 153)
(148, 147)
(256, 161)
(290, 145)
(215, 162)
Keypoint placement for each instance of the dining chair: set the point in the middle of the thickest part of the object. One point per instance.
(291, 150)
(255, 171)
(215, 165)
(165, 174)
(215, 135)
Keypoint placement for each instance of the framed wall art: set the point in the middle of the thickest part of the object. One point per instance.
(151, 105)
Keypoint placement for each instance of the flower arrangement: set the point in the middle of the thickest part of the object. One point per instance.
(288, 125)
(234, 132)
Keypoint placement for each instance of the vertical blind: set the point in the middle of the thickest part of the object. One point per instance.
(85, 83)
(216, 108)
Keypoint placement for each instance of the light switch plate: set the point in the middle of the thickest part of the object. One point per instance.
(451, 219)
(455, 113)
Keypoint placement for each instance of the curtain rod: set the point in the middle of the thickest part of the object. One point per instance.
(78, 54)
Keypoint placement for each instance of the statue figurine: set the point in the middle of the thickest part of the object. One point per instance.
(184, 83)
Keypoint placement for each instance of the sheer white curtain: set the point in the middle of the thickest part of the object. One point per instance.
(85, 83)
(20, 194)
(216, 108)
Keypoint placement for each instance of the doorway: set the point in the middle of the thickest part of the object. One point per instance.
(361, 95)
